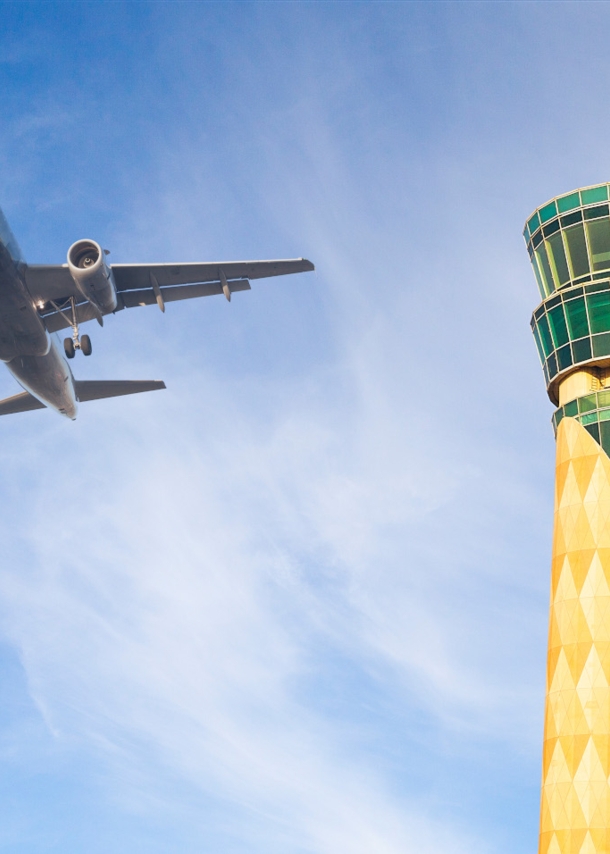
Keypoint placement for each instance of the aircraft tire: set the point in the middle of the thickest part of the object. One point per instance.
(85, 345)
(69, 348)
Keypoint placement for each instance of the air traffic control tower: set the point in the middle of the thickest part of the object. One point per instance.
(568, 240)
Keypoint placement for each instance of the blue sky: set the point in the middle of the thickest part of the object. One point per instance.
(296, 603)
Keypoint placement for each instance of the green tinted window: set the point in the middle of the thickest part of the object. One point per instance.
(605, 436)
(558, 326)
(577, 250)
(548, 212)
(591, 418)
(551, 364)
(597, 212)
(587, 403)
(598, 286)
(603, 398)
(576, 314)
(599, 241)
(604, 415)
(593, 429)
(541, 288)
(581, 350)
(570, 219)
(571, 409)
(558, 258)
(568, 203)
(545, 269)
(595, 194)
(533, 223)
(601, 344)
(538, 343)
(545, 335)
(564, 357)
(599, 311)
(557, 418)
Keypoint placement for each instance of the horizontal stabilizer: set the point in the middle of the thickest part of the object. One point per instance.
(98, 389)
(85, 390)
(23, 402)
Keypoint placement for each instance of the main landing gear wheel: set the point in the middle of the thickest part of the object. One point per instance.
(69, 347)
(82, 342)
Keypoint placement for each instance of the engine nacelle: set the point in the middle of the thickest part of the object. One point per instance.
(92, 275)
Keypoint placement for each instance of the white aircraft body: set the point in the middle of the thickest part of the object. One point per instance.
(38, 300)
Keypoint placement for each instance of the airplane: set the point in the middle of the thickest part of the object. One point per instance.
(38, 300)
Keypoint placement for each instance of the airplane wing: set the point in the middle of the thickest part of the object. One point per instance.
(50, 282)
(147, 284)
(129, 277)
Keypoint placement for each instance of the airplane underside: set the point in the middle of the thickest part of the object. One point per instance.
(37, 301)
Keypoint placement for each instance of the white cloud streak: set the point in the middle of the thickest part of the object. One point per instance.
(255, 587)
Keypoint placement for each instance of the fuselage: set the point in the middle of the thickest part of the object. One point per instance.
(30, 353)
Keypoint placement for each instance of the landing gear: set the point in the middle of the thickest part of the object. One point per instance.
(83, 342)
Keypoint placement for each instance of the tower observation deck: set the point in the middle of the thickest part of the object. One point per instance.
(568, 240)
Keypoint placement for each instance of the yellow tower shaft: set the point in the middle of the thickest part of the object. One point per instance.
(575, 810)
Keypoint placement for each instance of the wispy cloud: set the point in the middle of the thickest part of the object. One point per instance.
(200, 599)
(296, 602)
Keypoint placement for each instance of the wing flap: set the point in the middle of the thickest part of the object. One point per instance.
(136, 283)
(129, 277)
(98, 389)
(23, 402)
(130, 299)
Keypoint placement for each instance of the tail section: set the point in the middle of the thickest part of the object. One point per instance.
(85, 390)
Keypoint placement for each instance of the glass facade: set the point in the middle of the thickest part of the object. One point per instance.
(568, 239)
(593, 412)
(573, 326)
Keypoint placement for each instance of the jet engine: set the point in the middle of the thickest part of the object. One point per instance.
(92, 275)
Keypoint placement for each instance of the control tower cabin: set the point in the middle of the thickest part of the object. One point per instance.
(568, 240)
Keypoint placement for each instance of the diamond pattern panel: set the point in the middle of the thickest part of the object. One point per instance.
(575, 810)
